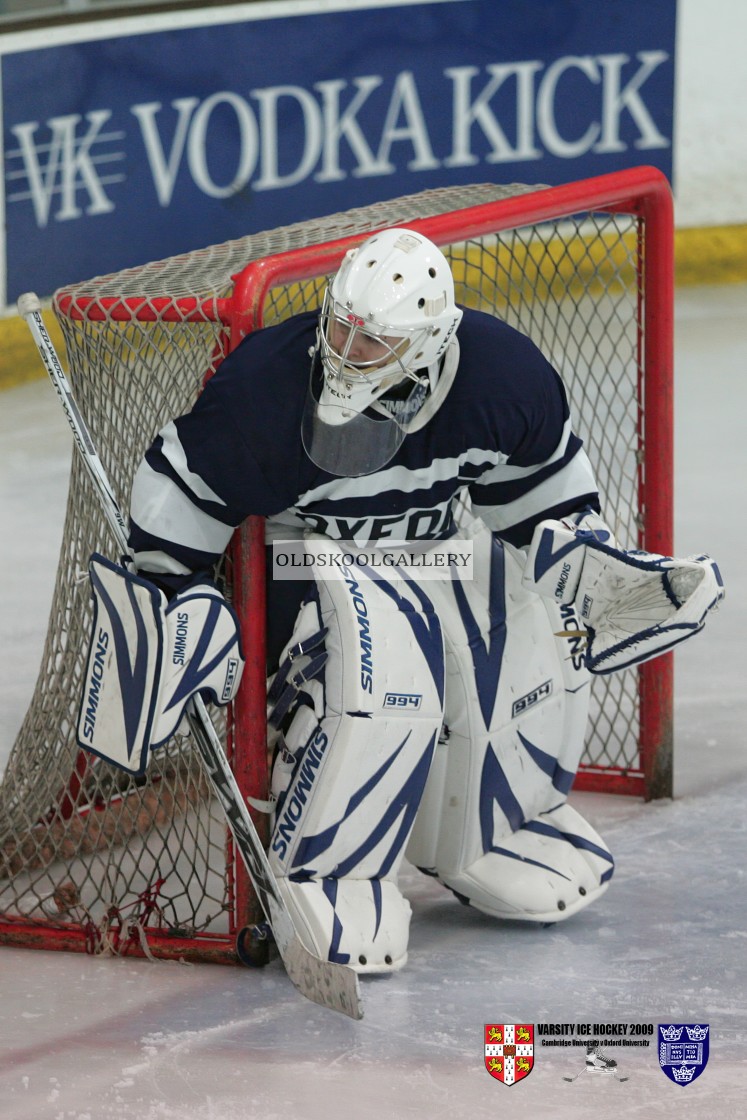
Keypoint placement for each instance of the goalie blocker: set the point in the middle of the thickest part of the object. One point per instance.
(147, 658)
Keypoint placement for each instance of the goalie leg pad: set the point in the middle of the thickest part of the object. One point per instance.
(546, 871)
(363, 923)
(516, 711)
(356, 749)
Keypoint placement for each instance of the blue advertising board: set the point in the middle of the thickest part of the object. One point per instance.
(150, 142)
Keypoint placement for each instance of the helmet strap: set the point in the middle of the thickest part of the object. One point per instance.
(444, 380)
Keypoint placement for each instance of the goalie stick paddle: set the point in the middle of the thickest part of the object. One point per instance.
(332, 985)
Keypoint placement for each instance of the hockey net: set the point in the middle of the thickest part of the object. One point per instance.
(91, 858)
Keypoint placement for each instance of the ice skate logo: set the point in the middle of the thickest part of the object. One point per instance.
(509, 1051)
(682, 1060)
(598, 1062)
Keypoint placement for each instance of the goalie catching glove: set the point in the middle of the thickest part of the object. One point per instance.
(635, 605)
(146, 660)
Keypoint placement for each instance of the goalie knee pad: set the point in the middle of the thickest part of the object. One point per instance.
(358, 704)
(515, 718)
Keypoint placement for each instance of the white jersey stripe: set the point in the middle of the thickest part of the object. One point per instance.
(403, 478)
(576, 477)
(174, 453)
(503, 472)
(168, 514)
(160, 563)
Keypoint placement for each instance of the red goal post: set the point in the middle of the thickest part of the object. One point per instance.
(90, 858)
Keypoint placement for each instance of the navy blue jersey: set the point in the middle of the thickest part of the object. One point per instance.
(503, 433)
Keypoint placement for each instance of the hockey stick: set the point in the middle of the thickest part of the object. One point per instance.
(332, 985)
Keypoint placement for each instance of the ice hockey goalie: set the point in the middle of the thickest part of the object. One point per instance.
(440, 719)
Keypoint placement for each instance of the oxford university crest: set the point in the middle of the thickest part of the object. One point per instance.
(683, 1050)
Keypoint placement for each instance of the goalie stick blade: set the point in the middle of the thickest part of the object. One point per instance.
(332, 985)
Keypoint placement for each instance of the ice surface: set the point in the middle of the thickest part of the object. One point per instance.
(95, 1039)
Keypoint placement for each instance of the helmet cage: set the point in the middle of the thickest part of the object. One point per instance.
(383, 356)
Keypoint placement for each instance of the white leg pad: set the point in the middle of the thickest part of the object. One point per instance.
(359, 922)
(546, 871)
(355, 754)
(492, 824)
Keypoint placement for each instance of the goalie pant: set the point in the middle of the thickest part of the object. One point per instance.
(447, 725)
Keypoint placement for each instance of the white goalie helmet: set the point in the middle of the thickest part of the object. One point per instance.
(387, 320)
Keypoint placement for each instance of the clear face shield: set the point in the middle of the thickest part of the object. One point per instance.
(362, 399)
